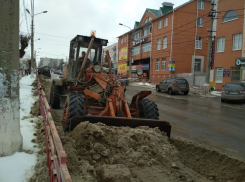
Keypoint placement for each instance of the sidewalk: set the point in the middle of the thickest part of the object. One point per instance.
(20, 166)
(193, 90)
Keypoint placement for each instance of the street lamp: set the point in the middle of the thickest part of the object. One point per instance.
(32, 36)
(129, 40)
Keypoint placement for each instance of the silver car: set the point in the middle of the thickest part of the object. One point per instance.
(173, 85)
(233, 91)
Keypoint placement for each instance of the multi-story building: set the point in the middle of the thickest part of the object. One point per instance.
(169, 42)
(113, 50)
(53, 63)
(229, 62)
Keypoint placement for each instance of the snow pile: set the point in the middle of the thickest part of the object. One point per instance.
(217, 93)
(21, 163)
(143, 84)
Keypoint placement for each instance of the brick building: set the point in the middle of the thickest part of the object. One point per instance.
(229, 64)
(169, 42)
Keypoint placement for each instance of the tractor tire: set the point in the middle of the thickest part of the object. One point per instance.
(54, 99)
(74, 106)
(148, 109)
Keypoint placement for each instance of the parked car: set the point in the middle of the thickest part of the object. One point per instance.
(173, 85)
(233, 91)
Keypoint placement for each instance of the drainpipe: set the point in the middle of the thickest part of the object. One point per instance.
(172, 36)
(192, 67)
(150, 53)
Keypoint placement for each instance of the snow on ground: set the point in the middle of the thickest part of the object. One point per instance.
(19, 167)
(217, 93)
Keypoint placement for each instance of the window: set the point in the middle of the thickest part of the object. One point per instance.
(200, 4)
(237, 41)
(235, 74)
(150, 18)
(146, 20)
(163, 64)
(219, 75)
(221, 44)
(158, 44)
(165, 22)
(165, 41)
(197, 65)
(124, 39)
(135, 50)
(157, 65)
(160, 24)
(146, 31)
(146, 47)
(198, 42)
(200, 22)
(230, 15)
(136, 35)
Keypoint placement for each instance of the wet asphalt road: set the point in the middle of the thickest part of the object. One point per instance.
(202, 119)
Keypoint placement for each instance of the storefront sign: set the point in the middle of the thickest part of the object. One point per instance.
(226, 73)
(123, 53)
(212, 54)
(140, 40)
(138, 67)
(122, 68)
(219, 75)
(145, 66)
(240, 61)
(171, 66)
(133, 68)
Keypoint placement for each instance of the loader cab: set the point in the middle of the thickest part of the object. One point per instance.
(77, 46)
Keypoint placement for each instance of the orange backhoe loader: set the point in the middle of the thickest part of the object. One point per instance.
(95, 95)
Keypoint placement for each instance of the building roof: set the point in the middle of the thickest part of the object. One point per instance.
(136, 24)
(153, 11)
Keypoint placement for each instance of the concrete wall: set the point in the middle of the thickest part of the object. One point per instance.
(10, 136)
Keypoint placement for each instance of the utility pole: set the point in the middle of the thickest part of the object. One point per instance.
(10, 137)
(212, 14)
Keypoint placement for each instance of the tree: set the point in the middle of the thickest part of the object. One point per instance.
(24, 41)
(10, 137)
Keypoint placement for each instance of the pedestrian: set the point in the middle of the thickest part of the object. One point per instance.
(21, 71)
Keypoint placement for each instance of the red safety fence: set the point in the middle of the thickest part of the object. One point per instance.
(56, 156)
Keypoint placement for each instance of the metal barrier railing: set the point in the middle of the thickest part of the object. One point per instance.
(56, 156)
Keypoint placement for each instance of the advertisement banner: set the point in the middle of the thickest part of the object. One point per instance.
(138, 67)
(123, 53)
(226, 73)
(122, 68)
(171, 66)
(139, 40)
(145, 66)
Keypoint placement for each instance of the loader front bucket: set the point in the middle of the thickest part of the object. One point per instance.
(121, 121)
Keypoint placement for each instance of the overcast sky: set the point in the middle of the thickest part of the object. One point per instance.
(67, 18)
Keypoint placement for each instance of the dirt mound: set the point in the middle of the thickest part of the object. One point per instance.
(46, 85)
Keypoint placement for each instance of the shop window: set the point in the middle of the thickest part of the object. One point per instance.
(165, 22)
(198, 43)
(197, 65)
(218, 75)
(157, 64)
(237, 41)
(200, 22)
(158, 44)
(165, 41)
(163, 64)
(235, 74)
(200, 4)
(221, 44)
(146, 47)
(160, 24)
(230, 15)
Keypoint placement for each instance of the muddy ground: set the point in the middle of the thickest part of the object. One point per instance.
(96, 152)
